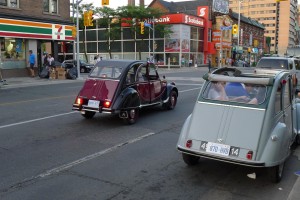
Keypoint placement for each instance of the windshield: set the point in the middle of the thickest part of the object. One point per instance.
(273, 63)
(112, 72)
(235, 92)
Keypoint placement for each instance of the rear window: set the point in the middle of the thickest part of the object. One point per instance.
(110, 72)
(235, 92)
(273, 63)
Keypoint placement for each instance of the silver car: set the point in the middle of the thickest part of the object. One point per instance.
(245, 119)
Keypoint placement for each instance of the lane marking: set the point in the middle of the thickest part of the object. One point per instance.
(92, 156)
(62, 114)
(29, 181)
(38, 119)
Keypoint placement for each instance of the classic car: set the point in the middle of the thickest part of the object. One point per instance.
(124, 87)
(257, 129)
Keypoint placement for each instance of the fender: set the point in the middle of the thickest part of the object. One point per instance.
(170, 87)
(128, 98)
(275, 152)
(184, 132)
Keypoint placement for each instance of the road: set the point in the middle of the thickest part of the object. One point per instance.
(47, 151)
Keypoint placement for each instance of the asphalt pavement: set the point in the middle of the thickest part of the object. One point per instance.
(19, 82)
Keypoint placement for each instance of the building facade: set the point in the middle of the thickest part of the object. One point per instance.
(31, 25)
(279, 20)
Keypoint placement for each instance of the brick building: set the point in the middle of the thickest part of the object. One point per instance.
(31, 25)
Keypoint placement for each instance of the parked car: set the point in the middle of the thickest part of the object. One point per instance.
(124, 87)
(283, 63)
(256, 130)
(84, 66)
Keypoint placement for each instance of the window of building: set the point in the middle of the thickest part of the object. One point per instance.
(10, 3)
(51, 6)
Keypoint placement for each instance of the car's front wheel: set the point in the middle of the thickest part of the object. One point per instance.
(133, 115)
(170, 105)
(88, 114)
(275, 173)
(190, 159)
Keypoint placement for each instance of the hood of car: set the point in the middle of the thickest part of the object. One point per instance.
(99, 89)
(231, 125)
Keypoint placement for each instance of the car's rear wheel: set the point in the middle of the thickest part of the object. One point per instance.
(170, 105)
(275, 173)
(133, 115)
(190, 159)
(88, 114)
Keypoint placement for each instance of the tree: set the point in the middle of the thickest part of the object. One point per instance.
(109, 19)
(134, 15)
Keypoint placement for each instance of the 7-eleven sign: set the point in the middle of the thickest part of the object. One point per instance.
(58, 32)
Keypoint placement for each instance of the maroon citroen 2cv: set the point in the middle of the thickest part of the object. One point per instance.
(124, 87)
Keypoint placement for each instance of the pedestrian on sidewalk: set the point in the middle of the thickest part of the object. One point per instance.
(31, 63)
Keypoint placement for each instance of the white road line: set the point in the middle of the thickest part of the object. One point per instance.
(38, 119)
(58, 115)
(90, 157)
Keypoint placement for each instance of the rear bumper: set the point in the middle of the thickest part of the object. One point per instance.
(81, 108)
(223, 159)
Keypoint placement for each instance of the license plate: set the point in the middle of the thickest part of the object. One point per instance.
(221, 149)
(234, 151)
(93, 104)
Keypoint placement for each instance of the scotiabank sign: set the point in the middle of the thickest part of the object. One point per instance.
(179, 18)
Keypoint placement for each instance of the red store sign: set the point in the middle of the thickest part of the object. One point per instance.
(179, 18)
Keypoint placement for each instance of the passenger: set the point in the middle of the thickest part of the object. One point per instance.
(235, 89)
(250, 90)
(217, 91)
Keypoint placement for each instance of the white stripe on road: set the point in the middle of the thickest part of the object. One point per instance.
(90, 157)
(59, 115)
(38, 119)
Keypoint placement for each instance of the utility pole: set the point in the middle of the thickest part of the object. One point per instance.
(77, 39)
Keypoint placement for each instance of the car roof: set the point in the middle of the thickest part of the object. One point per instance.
(259, 76)
(118, 62)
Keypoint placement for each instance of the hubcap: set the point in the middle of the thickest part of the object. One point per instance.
(173, 100)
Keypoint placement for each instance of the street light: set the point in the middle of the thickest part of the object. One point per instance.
(239, 23)
(77, 39)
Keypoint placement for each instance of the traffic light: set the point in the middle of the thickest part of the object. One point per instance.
(91, 18)
(142, 27)
(85, 18)
(235, 29)
(74, 31)
(105, 2)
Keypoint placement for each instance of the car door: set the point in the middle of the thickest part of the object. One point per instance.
(156, 86)
(142, 84)
(287, 107)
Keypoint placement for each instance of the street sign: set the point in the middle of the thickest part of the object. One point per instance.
(225, 28)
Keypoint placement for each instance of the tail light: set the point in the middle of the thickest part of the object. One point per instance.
(249, 155)
(189, 143)
(106, 103)
(79, 101)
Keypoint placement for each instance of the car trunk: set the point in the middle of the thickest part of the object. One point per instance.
(99, 89)
(230, 125)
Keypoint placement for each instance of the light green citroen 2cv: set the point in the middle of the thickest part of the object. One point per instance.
(248, 119)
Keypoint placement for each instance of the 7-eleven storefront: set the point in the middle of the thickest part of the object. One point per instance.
(17, 37)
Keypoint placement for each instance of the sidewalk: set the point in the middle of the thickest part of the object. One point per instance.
(20, 82)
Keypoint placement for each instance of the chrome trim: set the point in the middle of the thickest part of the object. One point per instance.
(226, 105)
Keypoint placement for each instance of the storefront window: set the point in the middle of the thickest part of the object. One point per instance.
(91, 47)
(129, 46)
(12, 49)
(194, 31)
(9, 3)
(115, 46)
(127, 34)
(102, 47)
(91, 35)
(201, 33)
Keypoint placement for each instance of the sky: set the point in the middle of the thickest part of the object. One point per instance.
(116, 3)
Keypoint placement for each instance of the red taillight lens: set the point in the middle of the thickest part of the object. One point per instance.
(79, 101)
(106, 104)
(249, 155)
(189, 143)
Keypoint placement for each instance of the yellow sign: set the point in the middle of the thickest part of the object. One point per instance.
(85, 18)
(105, 2)
(74, 31)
